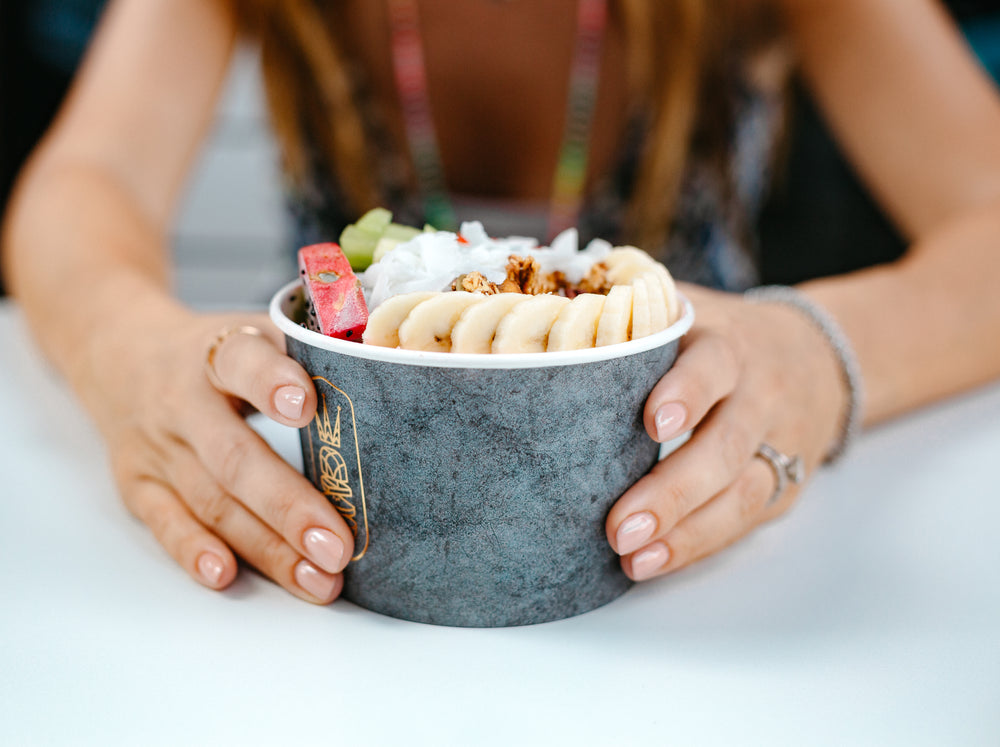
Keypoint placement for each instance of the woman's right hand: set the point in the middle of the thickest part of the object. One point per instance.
(85, 245)
(188, 465)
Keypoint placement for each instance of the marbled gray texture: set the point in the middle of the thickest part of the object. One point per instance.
(486, 490)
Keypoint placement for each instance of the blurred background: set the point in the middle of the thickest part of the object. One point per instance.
(231, 240)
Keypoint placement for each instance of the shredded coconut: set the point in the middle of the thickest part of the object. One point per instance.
(432, 261)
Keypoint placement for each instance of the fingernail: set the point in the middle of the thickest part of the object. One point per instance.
(669, 420)
(313, 580)
(325, 547)
(646, 563)
(288, 400)
(635, 532)
(210, 566)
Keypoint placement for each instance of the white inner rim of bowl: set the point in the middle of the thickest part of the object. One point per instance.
(283, 299)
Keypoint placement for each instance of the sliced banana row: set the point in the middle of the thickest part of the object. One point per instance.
(642, 300)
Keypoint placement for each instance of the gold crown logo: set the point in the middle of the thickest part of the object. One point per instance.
(327, 467)
(333, 477)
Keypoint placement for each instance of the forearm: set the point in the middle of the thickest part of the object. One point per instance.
(84, 239)
(80, 257)
(927, 326)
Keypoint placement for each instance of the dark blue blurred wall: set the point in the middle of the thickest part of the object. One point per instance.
(41, 43)
(819, 220)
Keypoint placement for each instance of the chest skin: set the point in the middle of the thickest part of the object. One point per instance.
(498, 74)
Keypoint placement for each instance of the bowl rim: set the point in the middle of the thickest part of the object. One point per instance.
(471, 360)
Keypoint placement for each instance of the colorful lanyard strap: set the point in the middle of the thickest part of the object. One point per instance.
(571, 169)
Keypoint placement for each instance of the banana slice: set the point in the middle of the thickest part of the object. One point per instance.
(669, 289)
(642, 318)
(622, 253)
(615, 324)
(658, 313)
(625, 262)
(670, 297)
(525, 328)
(428, 325)
(576, 326)
(475, 329)
(673, 299)
(384, 321)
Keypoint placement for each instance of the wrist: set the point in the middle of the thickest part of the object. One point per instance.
(838, 346)
(120, 334)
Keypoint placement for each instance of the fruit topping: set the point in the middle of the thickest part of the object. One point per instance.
(335, 303)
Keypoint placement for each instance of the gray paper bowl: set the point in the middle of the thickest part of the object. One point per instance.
(477, 485)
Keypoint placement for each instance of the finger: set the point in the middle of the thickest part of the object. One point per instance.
(256, 543)
(717, 524)
(203, 555)
(705, 372)
(254, 369)
(246, 468)
(716, 455)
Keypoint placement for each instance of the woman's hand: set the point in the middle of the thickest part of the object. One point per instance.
(747, 374)
(189, 466)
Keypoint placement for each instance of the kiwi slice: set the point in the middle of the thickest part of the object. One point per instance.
(375, 221)
(358, 246)
(359, 240)
(400, 232)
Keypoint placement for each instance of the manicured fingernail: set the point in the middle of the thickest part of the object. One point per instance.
(210, 566)
(669, 420)
(325, 547)
(646, 563)
(288, 400)
(635, 532)
(313, 580)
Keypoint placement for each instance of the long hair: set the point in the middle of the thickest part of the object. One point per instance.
(676, 52)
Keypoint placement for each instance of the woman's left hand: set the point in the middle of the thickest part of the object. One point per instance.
(747, 374)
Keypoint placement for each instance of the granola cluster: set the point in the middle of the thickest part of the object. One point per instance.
(524, 275)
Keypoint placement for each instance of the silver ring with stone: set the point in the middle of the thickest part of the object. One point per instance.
(786, 469)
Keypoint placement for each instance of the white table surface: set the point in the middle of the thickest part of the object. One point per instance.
(870, 615)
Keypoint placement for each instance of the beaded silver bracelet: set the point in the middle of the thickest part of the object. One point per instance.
(841, 347)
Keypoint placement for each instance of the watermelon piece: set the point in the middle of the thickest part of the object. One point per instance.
(335, 304)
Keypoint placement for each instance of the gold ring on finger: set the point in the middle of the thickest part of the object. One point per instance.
(224, 334)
